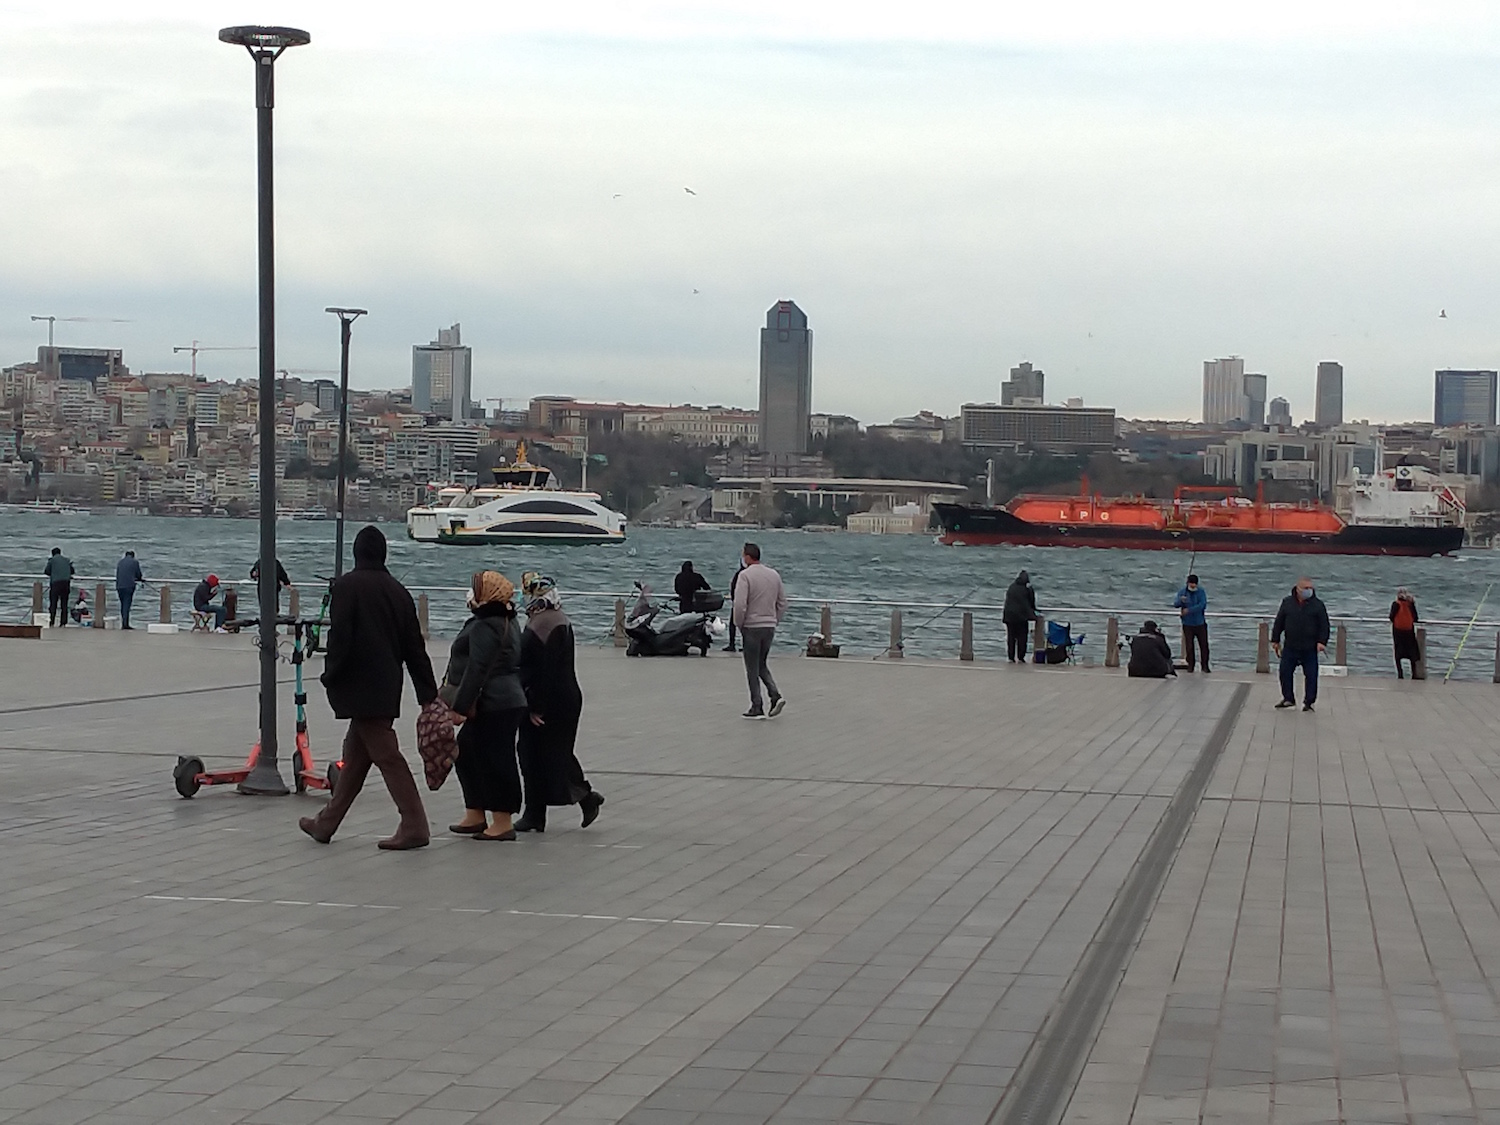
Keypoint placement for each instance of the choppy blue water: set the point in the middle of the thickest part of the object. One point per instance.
(908, 569)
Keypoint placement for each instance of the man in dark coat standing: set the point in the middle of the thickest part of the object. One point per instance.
(1018, 614)
(373, 632)
(1302, 623)
(686, 586)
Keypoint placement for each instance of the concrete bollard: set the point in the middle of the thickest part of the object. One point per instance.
(1341, 645)
(1039, 641)
(1419, 666)
(1263, 648)
(1112, 643)
(294, 602)
(894, 651)
(825, 624)
(166, 605)
(966, 638)
(99, 606)
(1497, 658)
(422, 615)
(40, 606)
(617, 630)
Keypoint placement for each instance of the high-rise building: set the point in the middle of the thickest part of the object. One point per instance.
(1253, 410)
(785, 380)
(1024, 387)
(1223, 390)
(1279, 414)
(1464, 398)
(1329, 409)
(92, 364)
(441, 374)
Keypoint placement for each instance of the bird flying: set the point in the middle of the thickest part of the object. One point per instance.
(690, 191)
(617, 195)
(1443, 314)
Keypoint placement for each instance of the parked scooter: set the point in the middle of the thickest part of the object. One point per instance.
(676, 635)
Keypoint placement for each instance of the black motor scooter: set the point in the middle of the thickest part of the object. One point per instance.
(676, 635)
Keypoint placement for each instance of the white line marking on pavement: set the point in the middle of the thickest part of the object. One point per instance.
(652, 921)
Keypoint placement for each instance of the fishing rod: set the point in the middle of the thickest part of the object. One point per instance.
(1452, 664)
(952, 605)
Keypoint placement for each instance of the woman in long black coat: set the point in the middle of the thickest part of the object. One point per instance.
(550, 770)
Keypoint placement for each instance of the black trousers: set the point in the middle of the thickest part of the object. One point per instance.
(550, 771)
(486, 764)
(1190, 634)
(57, 602)
(1015, 640)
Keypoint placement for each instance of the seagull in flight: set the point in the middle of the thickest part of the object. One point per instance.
(1442, 314)
(690, 191)
(617, 195)
(695, 290)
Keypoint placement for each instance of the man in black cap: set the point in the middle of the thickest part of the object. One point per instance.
(372, 631)
(1150, 655)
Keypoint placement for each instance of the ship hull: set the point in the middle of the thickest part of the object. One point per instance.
(966, 525)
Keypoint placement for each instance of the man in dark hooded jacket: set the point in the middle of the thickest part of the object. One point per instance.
(1150, 654)
(687, 584)
(373, 632)
(1302, 622)
(1018, 614)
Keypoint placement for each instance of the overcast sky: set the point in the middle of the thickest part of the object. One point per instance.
(1114, 192)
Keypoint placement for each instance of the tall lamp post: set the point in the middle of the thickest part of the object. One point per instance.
(347, 317)
(265, 45)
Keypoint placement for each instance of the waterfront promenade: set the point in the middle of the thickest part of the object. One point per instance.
(908, 899)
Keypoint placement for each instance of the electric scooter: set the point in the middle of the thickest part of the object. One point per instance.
(189, 775)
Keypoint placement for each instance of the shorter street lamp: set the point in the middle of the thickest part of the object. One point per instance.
(347, 317)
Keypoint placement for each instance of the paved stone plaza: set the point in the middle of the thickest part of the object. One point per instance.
(883, 906)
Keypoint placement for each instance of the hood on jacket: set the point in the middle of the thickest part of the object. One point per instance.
(369, 548)
(1023, 578)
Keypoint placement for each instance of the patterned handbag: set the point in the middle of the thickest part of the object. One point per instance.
(436, 743)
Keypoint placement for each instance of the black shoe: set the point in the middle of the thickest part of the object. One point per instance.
(1286, 703)
(754, 713)
(467, 829)
(526, 824)
(508, 834)
(1307, 707)
(778, 705)
(591, 805)
(129, 627)
(1206, 669)
(730, 648)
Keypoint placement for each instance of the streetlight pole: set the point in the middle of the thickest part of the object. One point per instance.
(265, 45)
(347, 317)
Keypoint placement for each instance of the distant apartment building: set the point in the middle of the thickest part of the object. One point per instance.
(697, 425)
(785, 380)
(1464, 398)
(563, 414)
(1329, 407)
(1279, 414)
(88, 364)
(1223, 390)
(1253, 407)
(1026, 386)
(825, 425)
(922, 426)
(1057, 429)
(441, 376)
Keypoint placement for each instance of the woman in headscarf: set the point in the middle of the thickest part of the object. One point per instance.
(554, 702)
(1404, 631)
(482, 688)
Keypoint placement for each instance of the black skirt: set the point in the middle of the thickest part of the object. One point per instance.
(1405, 641)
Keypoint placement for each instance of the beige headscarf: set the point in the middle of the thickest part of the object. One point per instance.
(491, 587)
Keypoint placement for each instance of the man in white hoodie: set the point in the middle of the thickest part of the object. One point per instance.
(759, 606)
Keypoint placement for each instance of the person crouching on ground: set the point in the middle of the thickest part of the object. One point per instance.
(1303, 621)
(373, 631)
(1404, 631)
(483, 690)
(550, 771)
(1150, 654)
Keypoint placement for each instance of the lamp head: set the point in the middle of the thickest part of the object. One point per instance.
(257, 38)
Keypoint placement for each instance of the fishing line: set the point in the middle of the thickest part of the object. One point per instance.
(961, 599)
(1459, 650)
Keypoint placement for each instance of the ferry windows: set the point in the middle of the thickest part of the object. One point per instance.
(550, 507)
(550, 527)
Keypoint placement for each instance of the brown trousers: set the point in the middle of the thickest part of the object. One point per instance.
(373, 742)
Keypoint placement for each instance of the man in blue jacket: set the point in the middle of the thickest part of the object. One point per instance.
(1192, 603)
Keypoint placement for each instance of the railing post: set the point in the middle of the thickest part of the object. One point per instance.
(1341, 645)
(294, 602)
(1263, 648)
(422, 615)
(966, 638)
(99, 606)
(1419, 666)
(617, 630)
(825, 624)
(1039, 641)
(894, 651)
(1112, 643)
(166, 605)
(38, 606)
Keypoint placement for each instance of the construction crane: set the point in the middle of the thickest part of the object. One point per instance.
(499, 405)
(196, 347)
(52, 322)
(285, 371)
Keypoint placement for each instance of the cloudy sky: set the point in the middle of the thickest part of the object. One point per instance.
(1114, 192)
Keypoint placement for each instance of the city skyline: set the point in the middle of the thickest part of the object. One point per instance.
(1354, 209)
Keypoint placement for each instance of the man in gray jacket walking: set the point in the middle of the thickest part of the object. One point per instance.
(759, 606)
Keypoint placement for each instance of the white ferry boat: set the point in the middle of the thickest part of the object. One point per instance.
(525, 504)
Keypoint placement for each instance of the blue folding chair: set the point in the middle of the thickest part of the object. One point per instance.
(1060, 643)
